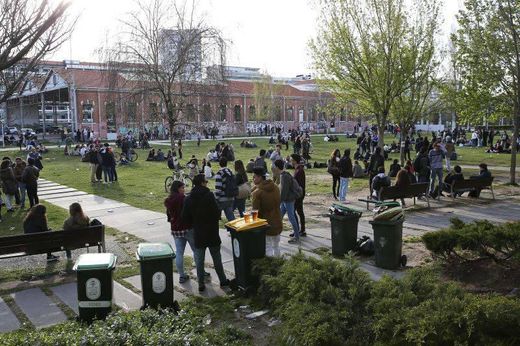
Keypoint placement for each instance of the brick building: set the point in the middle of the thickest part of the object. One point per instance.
(78, 95)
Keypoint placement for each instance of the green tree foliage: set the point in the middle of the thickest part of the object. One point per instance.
(265, 93)
(488, 58)
(374, 53)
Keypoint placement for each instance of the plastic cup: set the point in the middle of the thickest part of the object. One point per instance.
(247, 217)
(254, 213)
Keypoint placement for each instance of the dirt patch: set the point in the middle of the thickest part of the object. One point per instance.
(484, 276)
(416, 253)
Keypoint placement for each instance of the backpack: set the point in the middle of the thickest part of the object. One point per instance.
(231, 187)
(296, 189)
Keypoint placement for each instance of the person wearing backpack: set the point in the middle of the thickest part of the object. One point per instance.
(299, 177)
(290, 190)
(421, 166)
(226, 189)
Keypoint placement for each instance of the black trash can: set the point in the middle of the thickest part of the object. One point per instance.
(156, 262)
(343, 229)
(388, 241)
(247, 245)
(95, 285)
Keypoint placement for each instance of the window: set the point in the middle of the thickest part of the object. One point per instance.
(278, 113)
(237, 112)
(190, 113)
(206, 113)
(222, 110)
(88, 111)
(131, 112)
(252, 112)
(110, 113)
(290, 114)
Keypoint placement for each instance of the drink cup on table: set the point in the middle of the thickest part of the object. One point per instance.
(247, 217)
(254, 214)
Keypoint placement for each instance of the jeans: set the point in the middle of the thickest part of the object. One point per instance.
(272, 246)
(9, 201)
(240, 204)
(93, 168)
(288, 207)
(227, 207)
(448, 162)
(435, 173)
(23, 189)
(180, 245)
(200, 254)
(343, 188)
(107, 174)
(32, 194)
(298, 206)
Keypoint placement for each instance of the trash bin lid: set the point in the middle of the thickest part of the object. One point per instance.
(95, 261)
(149, 251)
(347, 210)
(240, 225)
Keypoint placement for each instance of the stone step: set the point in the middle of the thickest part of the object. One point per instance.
(38, 307)
(64, 195)
(68, 294)
(8, 320)
(60, 191)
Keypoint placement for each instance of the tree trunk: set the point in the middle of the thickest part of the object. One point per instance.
(403, 134)
(381, 135)
(512, 170)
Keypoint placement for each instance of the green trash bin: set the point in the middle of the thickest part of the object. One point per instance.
(343, 228)
(247, 245)
(388, 241)
(156, 262)
(95, 285)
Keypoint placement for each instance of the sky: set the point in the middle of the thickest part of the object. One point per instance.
(272, 35)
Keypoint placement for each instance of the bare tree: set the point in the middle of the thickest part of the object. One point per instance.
(29, 30)
(170, 46)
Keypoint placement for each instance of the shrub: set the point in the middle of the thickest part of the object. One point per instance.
(477, 240)
(148, 327)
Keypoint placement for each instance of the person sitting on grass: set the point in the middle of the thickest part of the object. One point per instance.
(160, 155)
(123, 161)
(151, 155)
(357, 170)
(35, 222)
(76, 221)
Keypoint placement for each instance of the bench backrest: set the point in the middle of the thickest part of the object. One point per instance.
(412, 190)
(37, 243)
(472, 183)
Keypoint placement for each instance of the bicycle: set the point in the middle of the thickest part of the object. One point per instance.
(180, 176)
(134, 157)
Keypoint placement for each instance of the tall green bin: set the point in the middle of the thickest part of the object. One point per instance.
(388, 241)
(95, 285)
(247, 245)
(343, 228)
(156, 262)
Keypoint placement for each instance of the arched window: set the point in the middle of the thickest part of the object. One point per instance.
(237, 113)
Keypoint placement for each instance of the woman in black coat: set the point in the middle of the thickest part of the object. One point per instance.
(9, 184)
(36, 221)
(201, 210)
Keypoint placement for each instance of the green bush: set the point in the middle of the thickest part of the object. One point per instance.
(477, 240)
(148, 327)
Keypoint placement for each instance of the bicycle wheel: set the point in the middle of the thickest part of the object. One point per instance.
(188, 184)
(134, 156)
(168, 184)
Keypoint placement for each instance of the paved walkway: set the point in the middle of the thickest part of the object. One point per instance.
(56, 303)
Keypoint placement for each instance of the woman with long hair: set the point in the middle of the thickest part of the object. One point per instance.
(36, 221)
(402, 180)
(182, 232)
(333, 169)
(240, 178)
(76, 221)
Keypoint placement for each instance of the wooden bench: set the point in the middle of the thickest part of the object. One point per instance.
(466, 185)
(395, 192)
(44, 242)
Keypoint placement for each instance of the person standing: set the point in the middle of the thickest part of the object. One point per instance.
(18, 171)
(287, 197)
(222, 179)
(345, 172)
(36, 221)
(276, 155)
(265, 197)
(30, 179)
(421, 165)
(436, 156)
(240, 179)
(201, 210)
(179, 148)
(450, 149)
(376, 160)
(299, 176)
(105, 161)
(182, 232)
(333, 169)
(9, 185)
(93, 161)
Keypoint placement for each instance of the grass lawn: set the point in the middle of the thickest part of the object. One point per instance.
(142, 183)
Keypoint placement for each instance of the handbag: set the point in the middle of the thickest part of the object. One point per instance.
(244, 191)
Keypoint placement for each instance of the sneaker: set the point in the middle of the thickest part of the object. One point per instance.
(183, 279)
(225, 283)
(52, 258)
(303, 234)
(291, 235)
(202, 287)
(293, 241)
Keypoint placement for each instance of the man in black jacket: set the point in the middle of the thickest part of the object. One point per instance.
(376, 160)
(201, 210)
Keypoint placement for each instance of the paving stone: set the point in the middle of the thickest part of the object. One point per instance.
(125, 298)
(68, 293)
(64, 195)
(54, 193)
(8, 321)
(38, 307)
